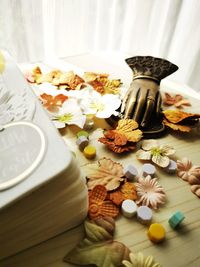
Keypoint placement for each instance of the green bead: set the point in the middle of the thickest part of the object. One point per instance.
(82, 133)
(176, 219)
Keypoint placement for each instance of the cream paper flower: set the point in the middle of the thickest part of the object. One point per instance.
(69, 113)
(102, 106)
(149, 192)
(139, 260)
(151, 150)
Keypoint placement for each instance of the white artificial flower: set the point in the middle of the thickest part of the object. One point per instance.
(70, 113)
(101, 106)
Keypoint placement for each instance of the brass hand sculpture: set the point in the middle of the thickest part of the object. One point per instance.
(142, 102)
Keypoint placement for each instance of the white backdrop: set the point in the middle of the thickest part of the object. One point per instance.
(33, 30)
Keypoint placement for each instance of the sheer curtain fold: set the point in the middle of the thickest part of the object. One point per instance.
(35, 30)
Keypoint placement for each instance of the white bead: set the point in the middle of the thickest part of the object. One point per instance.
(130, 172)
(129, 208)
(144, 215)
(171, 168)
(148, 169)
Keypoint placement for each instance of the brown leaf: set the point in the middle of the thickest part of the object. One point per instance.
(177, 127)
(98, 86)
(106, 172)
(96, 248)
(176, 116)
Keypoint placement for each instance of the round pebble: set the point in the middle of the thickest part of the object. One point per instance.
(89, 152)
(176, 219)
(130, 172)
(144, 215)
(156, 232)
(129, 208)
(148, 169)
(82, 133)
(82, 142)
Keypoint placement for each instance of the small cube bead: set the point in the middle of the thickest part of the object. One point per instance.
(176, 219)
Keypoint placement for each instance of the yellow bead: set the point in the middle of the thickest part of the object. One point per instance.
(89, 152)
(156, 232)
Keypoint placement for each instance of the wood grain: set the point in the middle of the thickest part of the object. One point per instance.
(181, 247)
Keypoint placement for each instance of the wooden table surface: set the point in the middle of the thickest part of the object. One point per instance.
(181, 247)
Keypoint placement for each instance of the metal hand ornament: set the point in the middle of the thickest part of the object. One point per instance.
(142, 102)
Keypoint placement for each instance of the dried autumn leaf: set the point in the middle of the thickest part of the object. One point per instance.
(97, 86)
(116, 148)
(100, 229)
(106, 172)
(177, 127)
(92, 76)
(176, 116)
(127, 127)
(96, 249)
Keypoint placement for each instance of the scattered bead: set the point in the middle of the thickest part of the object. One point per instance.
(129, 208)
(171, 168)
(82, 142)
(156, 232)
(89, 152)
(176, 219)
(1, 128)
(89, 124)
(144, 214)
(148, 169)
(82, 133)
(130, 172)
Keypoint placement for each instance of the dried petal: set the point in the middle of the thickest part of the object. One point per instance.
(196, 190)
(143, 155)
(162, 161)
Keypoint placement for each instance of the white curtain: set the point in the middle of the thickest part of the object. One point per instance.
(33, 30)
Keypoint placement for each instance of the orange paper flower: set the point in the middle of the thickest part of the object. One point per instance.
(177, 100)
(98, 206)
(124, 137)
(50, 102)
(126, 191)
